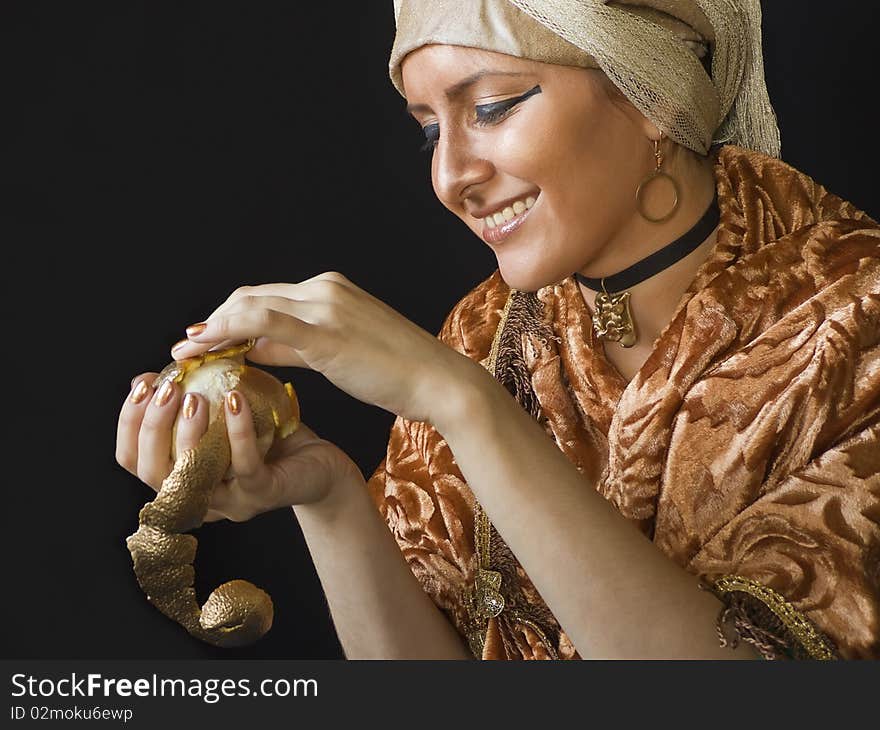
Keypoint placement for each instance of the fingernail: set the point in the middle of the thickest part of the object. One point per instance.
(139, 392)
(196, 329)
(190, 405)
(164, 394)
(177, 345)
(233, 400)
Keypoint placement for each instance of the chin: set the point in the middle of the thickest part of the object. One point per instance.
(529, 278)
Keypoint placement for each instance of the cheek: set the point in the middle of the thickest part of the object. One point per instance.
(591, 175)
(524, 148)
(555, 151)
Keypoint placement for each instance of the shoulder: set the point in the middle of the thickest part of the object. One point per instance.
(768, 198)
(470, 325)
(786, 234)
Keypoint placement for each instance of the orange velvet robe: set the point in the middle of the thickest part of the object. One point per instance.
(747, 446)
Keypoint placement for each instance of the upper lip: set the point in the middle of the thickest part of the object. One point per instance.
(498, 207)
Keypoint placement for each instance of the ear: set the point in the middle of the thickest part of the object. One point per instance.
(646, 126)
(617, 97)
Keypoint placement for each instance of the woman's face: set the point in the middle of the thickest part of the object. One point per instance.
(535, 158)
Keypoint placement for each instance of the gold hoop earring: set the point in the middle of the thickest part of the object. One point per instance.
(658, 156)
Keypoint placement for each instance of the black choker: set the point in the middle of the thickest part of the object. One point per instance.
(612, 319)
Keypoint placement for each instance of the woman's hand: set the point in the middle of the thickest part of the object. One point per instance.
(299, 469)
(328, 324)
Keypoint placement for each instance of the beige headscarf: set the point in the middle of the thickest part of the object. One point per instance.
(650, 49)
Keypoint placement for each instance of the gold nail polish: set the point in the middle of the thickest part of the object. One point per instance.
(190, 405)
(177, 345)
(234, 401)
(140, 391)
(196, 329)
(164, 394)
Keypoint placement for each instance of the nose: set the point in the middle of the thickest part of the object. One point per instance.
(458, 165)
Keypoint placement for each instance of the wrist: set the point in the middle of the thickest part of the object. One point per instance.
(467, 391)
(345, 489)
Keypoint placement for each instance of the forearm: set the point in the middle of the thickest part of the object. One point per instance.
(614, 593)
(379, 609)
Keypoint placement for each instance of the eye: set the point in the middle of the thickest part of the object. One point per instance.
(489, 113)
(432, 136)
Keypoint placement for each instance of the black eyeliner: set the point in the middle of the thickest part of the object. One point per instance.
(485, 113)
(503, 106)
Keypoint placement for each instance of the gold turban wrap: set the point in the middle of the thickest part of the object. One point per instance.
(650, 49)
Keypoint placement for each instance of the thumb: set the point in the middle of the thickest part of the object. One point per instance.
(303, 436)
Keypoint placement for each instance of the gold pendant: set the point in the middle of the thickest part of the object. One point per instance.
(612, 318)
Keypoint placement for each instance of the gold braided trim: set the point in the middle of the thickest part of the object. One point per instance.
(482, 522)
(477, 613)
(476, 641)
(485, 598)
(481, 536)
(490, 362)
(522, 618)
(482, 594)
(800, 627)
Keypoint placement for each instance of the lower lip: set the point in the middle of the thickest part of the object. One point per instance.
(499, 233)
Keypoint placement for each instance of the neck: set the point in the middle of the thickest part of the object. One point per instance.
(653, 300)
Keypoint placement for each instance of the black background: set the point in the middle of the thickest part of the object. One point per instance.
(162, 154)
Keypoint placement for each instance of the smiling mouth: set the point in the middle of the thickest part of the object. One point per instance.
(500, 225)
(508, 213)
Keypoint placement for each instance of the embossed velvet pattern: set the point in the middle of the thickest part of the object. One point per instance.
(749, 441)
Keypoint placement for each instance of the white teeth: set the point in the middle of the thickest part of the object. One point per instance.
(510, 212)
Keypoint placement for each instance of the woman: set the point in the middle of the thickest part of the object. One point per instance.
(715, 427)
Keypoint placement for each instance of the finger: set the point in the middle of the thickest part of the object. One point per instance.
(264, 351)
(192, 426)
(130, 417)
(318, 286)
(324, 287)
(302, 436)
(154, 439)
(186, 348)
(277, 326)
(203, 336)
(311, 311)
(246, 460)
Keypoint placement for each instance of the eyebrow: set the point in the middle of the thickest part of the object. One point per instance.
(459, 87)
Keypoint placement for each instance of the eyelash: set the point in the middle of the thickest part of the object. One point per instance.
(492, 113)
